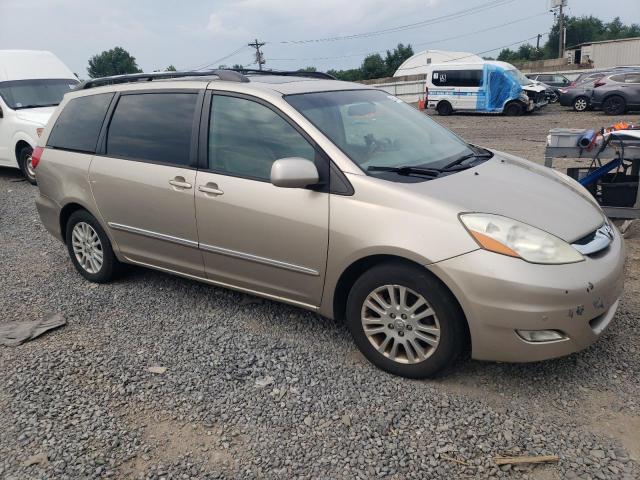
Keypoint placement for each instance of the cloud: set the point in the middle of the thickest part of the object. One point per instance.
(300, 19)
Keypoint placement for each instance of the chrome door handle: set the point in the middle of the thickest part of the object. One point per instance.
(179, 182)
(211, 189)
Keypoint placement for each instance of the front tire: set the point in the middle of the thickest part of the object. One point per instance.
(444, 109)
(514, 109)
(614, 105)
(90, 249)
(581, 104)
(24, 162)
(405, 321)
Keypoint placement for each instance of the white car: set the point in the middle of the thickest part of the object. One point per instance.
(32, 84)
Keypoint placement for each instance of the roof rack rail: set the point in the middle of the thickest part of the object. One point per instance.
(295, 73)
(227, 75)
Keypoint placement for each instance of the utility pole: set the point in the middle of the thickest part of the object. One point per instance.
(259, 57)
(561, 30)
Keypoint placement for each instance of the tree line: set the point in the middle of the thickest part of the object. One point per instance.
(579, 30)
(118, 61)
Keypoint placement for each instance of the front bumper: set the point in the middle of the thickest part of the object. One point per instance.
(566, 100)
(501, 294)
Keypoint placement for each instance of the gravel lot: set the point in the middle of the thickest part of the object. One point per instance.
(255, 389)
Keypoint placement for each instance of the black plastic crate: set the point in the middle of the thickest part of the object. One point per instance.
(619, 190)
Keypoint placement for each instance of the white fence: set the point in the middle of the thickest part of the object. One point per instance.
(409, 88)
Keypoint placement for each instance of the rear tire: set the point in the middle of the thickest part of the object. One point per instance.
(90, 249)
(513, 109)
(444, 109)
(581, 104)
(614, 105)
(24, 162)
(425, 343)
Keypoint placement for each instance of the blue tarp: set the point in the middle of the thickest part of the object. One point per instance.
(497, 88)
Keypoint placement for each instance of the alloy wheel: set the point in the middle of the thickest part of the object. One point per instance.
(400, 324)
(580, 104)
(29, 166)
(87, 247)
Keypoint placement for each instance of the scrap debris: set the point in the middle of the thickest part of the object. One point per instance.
(526, 459)
(13, 334)
(157, 370)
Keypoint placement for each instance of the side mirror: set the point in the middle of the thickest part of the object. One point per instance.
(294, 173)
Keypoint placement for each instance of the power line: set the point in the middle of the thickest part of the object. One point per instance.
(202, 66)
(451, 16)
(431, 42)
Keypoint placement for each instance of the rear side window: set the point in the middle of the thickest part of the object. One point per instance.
(79, 124)
(457, 78)
(617, 78)
(632, 78)
(153, 127)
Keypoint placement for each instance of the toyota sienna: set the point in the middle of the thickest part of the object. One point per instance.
(335, 197)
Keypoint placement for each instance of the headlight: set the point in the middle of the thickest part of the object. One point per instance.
(509, 237)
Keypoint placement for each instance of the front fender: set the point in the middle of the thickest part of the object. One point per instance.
(25, 136)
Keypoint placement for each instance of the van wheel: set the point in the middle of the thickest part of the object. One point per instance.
(444, 109)
(581, 104)
(614, 105)
(24, 162)
(90, 249)
(405, 321)
(513, 109)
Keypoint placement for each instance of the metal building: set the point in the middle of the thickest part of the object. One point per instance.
(607, 53)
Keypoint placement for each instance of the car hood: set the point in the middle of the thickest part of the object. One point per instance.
(522, 190)
(534, 87)
(35, 115)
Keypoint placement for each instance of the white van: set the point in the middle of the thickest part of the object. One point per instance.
(488, 86)
(32, 84)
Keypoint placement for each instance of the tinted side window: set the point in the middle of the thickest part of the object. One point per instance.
(457, 78)
(632, 78)
(617, 78)
(79, 124)
(245, 138)
(153, 126)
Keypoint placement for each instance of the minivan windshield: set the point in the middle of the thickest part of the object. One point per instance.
(18, 94)
(376, 129)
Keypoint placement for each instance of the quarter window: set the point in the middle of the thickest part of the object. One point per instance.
(457, 78)
(153, 127)
(245, 138)
(78, 125)
(632, 78)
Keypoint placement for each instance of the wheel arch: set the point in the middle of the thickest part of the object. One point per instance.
(65, 214)
(514, 101)
(19, 146)
(358, 267)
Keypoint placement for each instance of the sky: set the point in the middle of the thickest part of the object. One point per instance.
(195, 33)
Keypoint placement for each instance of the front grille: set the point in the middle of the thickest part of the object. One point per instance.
(596, 241)
(535, 96)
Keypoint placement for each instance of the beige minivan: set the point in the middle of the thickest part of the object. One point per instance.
(335, 197)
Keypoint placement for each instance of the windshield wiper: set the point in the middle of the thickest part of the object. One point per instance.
(406, 170)
(463, 158)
